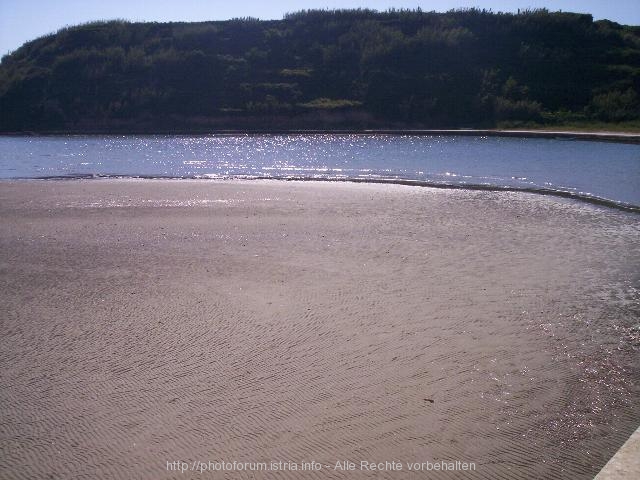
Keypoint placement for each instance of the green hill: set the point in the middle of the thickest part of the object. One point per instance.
(326, 69)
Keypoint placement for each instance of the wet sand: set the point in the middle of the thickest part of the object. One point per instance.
(148, 322)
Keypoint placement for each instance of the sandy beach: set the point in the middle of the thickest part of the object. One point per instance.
(149, 325)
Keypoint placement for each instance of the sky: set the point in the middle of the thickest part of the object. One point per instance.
(24, 20)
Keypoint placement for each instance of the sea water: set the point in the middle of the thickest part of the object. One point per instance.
(583, 168)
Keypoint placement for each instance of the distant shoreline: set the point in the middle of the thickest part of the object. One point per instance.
(601, 136)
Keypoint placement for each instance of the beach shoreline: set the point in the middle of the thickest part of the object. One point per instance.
(154, 321)
(578, 197)
(596, 135)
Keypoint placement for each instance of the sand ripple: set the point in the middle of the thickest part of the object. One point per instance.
(268, 321)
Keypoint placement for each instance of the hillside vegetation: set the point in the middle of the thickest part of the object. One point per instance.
(326, 69)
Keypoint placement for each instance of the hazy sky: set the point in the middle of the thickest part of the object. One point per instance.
(23, 20)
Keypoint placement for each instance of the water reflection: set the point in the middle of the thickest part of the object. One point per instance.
(606, 170)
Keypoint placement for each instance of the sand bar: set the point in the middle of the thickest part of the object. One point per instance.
(147, 322)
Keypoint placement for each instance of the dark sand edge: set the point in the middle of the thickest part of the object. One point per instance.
(600, 201)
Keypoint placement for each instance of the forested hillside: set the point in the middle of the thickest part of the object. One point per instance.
(326, 69)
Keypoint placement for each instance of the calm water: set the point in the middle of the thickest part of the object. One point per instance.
(604, 170)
